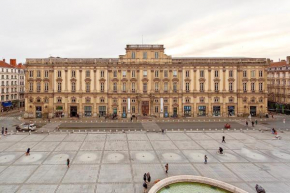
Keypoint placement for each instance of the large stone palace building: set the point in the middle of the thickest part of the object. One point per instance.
(279, 82)
(146, 81)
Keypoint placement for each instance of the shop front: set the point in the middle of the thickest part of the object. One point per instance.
(6, 106)
(59, 111)
(253, 111)
(38, 111)
(124, 114)
(88, 111)
(187, 111)
(201, 110)
(231, 111)
(216, 111)
(73, 111)
(175, 112)
(102, 111)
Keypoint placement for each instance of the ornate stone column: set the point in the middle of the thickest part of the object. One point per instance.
(161, 107)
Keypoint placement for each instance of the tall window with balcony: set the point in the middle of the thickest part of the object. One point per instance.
(31, 87)
(144, 55)
(156, 86)
(115, 87)
(230, 86)
(102, 87)
(73, 87)
(165, 73)
(31, 74)
(260, 73)
(145, 87)
(38, 74)
(38, 87)
(133, 86)
(244, 86)
(124, 87)
(133, 74)
(73, 73)
(253, 74)
(88, 86)
(46, 87)
(59, 87)
(102, 74)
(201, 87)
(174, 87)
(124, 73)
(187, 87)
(187, 74)
(165, 86)
(253, 87)
(230, 73)
(59, 74)
(245, 74)
(216, 86)
(201, 73)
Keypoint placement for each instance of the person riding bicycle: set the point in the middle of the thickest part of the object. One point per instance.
(221, 151)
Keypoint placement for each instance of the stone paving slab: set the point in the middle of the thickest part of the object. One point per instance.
(116, 162)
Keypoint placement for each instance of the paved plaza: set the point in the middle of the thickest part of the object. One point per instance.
(116, 162)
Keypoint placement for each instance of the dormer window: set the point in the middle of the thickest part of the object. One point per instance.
(156, 55)
(133, 55)
(144, 55)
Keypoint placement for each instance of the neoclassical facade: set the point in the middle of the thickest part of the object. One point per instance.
(145, 81)
(279, 81)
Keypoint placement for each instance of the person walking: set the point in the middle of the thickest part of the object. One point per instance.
(253, 124)
(205, 159)
(28, 152)
(256, 122)
(68, 162)
(148, 177)
(145, 187)
(223, 141)
(166, 168)
(6, 131)
(247, 123)
(145, 177)
(2, 130)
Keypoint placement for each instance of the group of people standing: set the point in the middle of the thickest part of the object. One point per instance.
(253, 123)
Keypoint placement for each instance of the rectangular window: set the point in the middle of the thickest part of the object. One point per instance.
(260, 86)
(156, 109)
(145, 73)
(115, 74)
(133, 109)
(187, 73)
(133, 55)
(46, 74)
(201, 73)
(38, 74)
(156, 55)
(230, 73)
(165, 73)
(260, 73)
(156, 73)
(59, 74)
(73, 73)
(253, 73)
(174, 73)
(102, 74)
(216, 73)
(201, 88)
(88, 73)
(144, 87)
(115, 86)
(144, 55)
(31, 86)
(175, 87)
(124, 73)
(245, 74)
(187, 86)
(31, 74)
(133, 73)
(102, 87)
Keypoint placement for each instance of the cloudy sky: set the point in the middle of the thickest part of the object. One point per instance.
(92, 28)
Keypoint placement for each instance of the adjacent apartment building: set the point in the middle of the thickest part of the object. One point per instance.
(145, 81)
(12, 80)
(279, 84)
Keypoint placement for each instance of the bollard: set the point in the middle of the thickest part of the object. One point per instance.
(171, 129)
(91, 130)
(79, 130)
(29, 132)
(116, 130)
(178, 129)
(48, 133)
(190, 129)
(210, 129)
(42, 131)
(197, 129)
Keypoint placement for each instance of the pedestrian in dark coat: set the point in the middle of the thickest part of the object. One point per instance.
(148, 177)
(166, 168)
(145, 187)
(2, 130)
(28, 152)
(205, 159)
(6, 131)
(223, 141)
(68, 162)
(253, 123)
(247, 123)
(145, 177)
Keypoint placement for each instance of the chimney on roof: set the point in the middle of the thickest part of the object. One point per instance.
(3, 59)
(288, 59)
(13, 62)
(271, 61)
